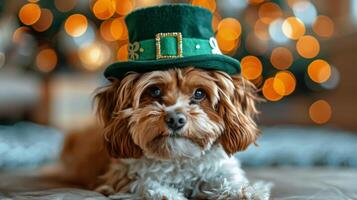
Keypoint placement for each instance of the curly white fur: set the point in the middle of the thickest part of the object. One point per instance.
(213, 175)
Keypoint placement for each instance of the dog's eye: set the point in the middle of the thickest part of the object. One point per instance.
(198, 95)
(155, 92)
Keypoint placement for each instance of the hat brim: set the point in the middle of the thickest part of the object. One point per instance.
(208, 62)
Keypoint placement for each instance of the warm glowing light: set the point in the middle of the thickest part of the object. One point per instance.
(231, 28)
(261, 30)
(209, 4)
(105, 30)
(122, 54)
(323, 26)
(320, 112)
(117, 28)
(146, 3)
(319, 71)
(281, 58)
(225, 44)
(29, 13)
(76, 25)
(269, 11)
(255, 1)
(65, 6)
(123, 7)
(269, 92)
(252, 68)
(293, 28)
(46, 60)
(284, 83)
(94, 56)
(45, 20)
(308, 46)
(18, 33)
(104, 9)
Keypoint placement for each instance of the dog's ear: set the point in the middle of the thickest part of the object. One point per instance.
(112, 103)
(237, 108)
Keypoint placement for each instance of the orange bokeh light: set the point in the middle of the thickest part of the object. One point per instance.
(46, 60)
(293, 28)
(76, 25)
(29, 13)
(117, 28)
(284, 83)
(105, 30)
(45, 20)
(209, 4)
(281, 58)
(323, 26)
(261, 30)
(320, 112)
(308, 46)
(269, 92)
(319, 71)
(269, 11)
(122, 54)
(252, 68)
(215, 21)
(231, 26)
(18, 33)
(104, 9)
(123, 7)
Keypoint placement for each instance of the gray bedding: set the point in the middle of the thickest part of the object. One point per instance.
(290, 184)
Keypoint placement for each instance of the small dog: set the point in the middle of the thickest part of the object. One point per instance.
(173, 133)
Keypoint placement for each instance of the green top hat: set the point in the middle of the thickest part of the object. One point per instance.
(171, 36)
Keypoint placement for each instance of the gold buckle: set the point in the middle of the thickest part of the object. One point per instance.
(178, 36)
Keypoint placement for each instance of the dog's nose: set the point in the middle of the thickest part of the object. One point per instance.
(175, 120)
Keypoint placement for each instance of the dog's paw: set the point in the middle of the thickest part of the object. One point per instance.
(105, 190)
(258, 191)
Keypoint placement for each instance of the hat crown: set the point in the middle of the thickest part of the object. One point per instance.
(190, 21)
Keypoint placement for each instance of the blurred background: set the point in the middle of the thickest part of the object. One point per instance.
(301, 54)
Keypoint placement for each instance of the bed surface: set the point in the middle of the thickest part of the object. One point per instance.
(289, 183)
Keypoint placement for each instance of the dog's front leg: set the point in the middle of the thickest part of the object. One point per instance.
(228, 182)
(153, 190)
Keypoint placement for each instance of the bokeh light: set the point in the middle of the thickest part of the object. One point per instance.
(29, 13)
(334, 79)
(216, 19)
(105, 30)
(269, 11)
(276, 31)
(122, 54)
(323, 26)
(46, 60)
(104, 9)
(281, 58)
(123, 7)
(308, 46)
(269, 92)
(94, 56)
(293, 28)
(284, 83)
(231, 28)
(45, 20)
(18, 33)
(305, 11)
(252, 68)
(65, 5)
(118, 29)
(209, 4)
(261, 30)
(320, 112)
(76, 25)
(319, 71)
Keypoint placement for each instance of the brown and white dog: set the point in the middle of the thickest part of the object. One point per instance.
(172, 134)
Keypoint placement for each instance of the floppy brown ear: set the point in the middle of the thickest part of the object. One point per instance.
(237, 108)
(111, 102)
